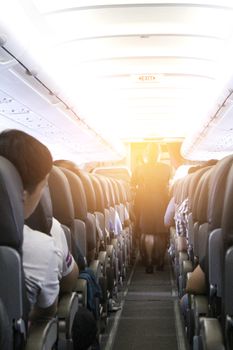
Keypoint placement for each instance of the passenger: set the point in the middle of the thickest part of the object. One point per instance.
(48, 265)
(196, 284)
(182, 211)
(135, 181)
(84, 331)
(93, 285)
(170, 213)
(153, 187)
(40, 254)
(169, 221)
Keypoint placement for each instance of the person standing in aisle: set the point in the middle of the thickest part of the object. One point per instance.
(154, 199)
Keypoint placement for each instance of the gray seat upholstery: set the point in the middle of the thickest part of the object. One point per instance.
(12, 291)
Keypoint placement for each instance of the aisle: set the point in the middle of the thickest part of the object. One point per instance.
(150, 317)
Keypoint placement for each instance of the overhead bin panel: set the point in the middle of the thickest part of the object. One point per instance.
(111, 62)
(28, 106)
(111, 45)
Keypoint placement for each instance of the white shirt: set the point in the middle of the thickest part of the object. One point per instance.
(66, 260)
(115, 222)
(45, 261)
(41, 267)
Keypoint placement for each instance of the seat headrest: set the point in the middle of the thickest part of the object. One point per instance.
(89, 191)
(195, 178)
(59, 187)
(227, 217)
(217, 191)
(98, 193)
(111, 192)
(42, 217)
(104, 186)
(78, 194)
(121, 191)
(115, 191)
(11, 206)
(200, 201)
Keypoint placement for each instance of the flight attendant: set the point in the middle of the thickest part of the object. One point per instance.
(154, 199)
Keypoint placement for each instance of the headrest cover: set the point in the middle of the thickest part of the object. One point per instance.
(98, 193)
(195, 178)
(78, 194)
(227, 217)
(42, 218)
(89, 191)
(11, 206)
(105, 191)
(217, 191)
(59, 187)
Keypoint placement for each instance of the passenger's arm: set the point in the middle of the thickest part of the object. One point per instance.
(46, 301)
(69, 281)
(170, 213)
(69, 271)
(38, 313)
(196, 284)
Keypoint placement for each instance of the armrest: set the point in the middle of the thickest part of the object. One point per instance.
(182, 257)
(211, 334)
(110, 253)
(67, 308)
(187, 267)
(201, 309)
(95, 266)
(81, 290)
(42, 335)
(114, 242)
(103, 259)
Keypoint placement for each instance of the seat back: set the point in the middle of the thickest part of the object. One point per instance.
(12, 290)
(200, 215)
(6, 334)
(63, 209)
(42, 217)
(90, 221)
(219, 219)
(80, 209)
(217, 191)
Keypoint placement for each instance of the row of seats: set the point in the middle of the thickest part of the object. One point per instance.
(207, 200)
(93, 211)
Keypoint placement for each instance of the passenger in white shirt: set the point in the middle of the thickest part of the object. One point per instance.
(47, 265)
(41, 255)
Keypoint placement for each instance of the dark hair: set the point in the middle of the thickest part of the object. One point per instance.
(31, 158)
(84, 330)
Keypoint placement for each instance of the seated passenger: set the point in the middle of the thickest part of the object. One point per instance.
(196, 284)
(40, 254)
(48, 265)
(170, 213)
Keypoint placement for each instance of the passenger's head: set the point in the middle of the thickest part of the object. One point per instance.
(33, 161)
(152, 152)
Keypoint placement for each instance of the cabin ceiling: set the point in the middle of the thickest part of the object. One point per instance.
(130, 70)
